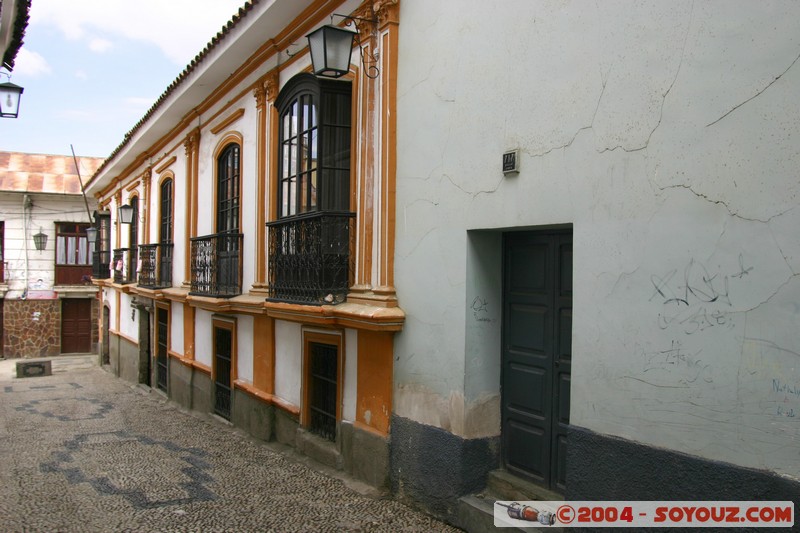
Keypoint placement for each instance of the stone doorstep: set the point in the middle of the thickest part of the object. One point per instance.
(475, 514)
(476, 511)
(32, 368)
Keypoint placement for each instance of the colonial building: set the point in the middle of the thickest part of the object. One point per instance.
(534, 246)
(255, 278)
(48, 304)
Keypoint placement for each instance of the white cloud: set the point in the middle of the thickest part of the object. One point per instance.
(81, 75)
(180, 28)
(99, 45)
(29, 63)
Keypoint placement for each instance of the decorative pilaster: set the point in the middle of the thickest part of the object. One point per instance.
(388, 12)
(191, 146)
(265, 92)
(147, 177)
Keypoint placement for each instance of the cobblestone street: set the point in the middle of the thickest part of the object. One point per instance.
(85, 452)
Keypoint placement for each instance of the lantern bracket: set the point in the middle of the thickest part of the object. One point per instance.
(370, 62)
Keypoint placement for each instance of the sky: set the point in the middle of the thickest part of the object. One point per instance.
(91, 69)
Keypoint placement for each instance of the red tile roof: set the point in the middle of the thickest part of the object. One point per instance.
(42, 173)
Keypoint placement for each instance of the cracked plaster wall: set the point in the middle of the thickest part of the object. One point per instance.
(668, 135)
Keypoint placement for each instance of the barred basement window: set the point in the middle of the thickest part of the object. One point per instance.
(322, 383)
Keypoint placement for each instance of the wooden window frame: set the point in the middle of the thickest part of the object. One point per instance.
(331, 338)
(72, 273)
(167, 219)
(226, 147)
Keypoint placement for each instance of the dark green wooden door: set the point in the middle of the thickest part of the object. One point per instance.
(537, 345)
(162, 342)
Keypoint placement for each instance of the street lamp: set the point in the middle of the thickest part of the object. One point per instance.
(126, 214)
(9, 99)
(40, 240)
(91, 235)
(331, 47)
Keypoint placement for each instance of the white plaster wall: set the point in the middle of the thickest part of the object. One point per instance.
(244, 348)
(249, 199)
(176, 328)
(350, 388)
(180, 238)
(110, 300)
(288, 361)
(668, 135)
(128, 321)
(203, 337)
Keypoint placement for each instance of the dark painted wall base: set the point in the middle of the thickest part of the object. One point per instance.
(601, 467)
(432, 468)
(252, 415)
(357, 452)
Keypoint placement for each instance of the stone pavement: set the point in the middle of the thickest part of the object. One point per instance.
(82, 451)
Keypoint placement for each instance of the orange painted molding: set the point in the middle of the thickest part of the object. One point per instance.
(266, 397)
(123, 336)
(165, 165)
(224, 123)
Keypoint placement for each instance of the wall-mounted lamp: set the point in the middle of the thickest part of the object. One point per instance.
(125, 214)
(331, 47)
(10, 94)
(40, 240)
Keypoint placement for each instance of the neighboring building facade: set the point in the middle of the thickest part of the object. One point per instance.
(617, 320)
(48, 305)
(588, 216)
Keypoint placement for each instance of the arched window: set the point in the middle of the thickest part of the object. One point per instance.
(314, 162)
(133, 235)
(165, 230)
(228, 189)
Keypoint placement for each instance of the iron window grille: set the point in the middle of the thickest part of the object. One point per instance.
(309, 258)
(216, 265)
(322, 383)
(155, 266)
(124, 264)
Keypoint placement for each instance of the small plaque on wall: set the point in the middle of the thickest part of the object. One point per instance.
(511, 162)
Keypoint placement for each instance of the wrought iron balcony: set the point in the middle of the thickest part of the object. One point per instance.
(216, 265)
(309, 258)
(100, 261)
(155, 267)
(124, 265)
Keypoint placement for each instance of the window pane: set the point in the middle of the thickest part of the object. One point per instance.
(83, 248)
(292, 196)
(61, 250)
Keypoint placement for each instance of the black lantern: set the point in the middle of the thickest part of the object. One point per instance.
(330, 51)
(9, 99)
(40, 240)
(126, 214)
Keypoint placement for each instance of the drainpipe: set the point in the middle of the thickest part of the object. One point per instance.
(27, 203)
